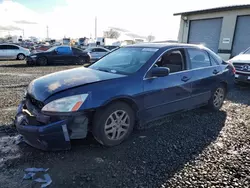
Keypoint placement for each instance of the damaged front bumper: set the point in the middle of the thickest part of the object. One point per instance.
(49, 132)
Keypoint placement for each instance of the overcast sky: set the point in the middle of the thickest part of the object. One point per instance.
(75, 18)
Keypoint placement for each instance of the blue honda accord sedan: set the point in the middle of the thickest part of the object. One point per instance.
(130, 86)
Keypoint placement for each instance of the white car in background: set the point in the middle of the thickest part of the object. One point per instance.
(12, 51)
(241, 63)
(96, 52)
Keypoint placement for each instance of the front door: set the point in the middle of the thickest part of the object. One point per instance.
(164, 95)
(63, 55)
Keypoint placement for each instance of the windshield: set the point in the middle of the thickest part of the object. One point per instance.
(52, 49)
(124, 60)
(247, 51)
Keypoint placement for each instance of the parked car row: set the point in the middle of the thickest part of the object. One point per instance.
(44, 55)
(133, 84)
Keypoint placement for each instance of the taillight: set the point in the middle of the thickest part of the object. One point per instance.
(231, 64)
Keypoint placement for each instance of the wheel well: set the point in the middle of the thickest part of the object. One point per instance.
(20, 54)
(130, 102)
(225, 85)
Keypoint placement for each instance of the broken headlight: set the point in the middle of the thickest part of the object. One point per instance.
(66, 104)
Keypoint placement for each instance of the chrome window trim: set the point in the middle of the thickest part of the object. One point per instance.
(176, 48)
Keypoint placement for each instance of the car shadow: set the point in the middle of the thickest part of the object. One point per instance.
(238, 91)
(147, 159)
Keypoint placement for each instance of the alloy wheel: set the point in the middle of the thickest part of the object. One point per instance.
(219, 97)
(21, 57)
(117, 125)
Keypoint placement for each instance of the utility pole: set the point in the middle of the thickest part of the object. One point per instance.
(95, 27)
(23, 33)
(47, 32)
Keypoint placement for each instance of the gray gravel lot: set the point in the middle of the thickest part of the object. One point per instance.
(193, 149)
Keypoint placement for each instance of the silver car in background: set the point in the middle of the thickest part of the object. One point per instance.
(96, 52)
(13, 51)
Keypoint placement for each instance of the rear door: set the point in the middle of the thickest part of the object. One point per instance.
(12, 51)
(164, 95)
(206, 74)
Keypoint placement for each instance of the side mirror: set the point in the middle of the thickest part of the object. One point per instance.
(160, 72)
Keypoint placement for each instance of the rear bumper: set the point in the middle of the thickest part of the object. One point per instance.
(45, 136)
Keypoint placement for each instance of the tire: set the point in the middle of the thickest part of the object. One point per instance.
(42, 61)
(106, 133)
(20, 56)
(81, 60)
(217, 98)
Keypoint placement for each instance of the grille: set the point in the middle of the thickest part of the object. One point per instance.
(245, 67)
(35, 102)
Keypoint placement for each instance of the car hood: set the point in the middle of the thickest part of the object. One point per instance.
(45, 86)
(37, 52)
(242, 58)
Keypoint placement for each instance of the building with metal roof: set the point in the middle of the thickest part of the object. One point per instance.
(225, 30)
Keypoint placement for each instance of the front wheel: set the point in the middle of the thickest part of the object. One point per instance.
(113, 124)
(42, 61)
(217, 98)
(20, 56)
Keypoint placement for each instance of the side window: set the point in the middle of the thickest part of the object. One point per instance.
(11, 47)
(3, 47)
(173, 60)
(64, 50)
(100, 50)
(93, 50)
(76, 51)
(198, 58)
(213, 61)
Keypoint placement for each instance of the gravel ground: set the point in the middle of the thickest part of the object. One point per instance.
(194, 149)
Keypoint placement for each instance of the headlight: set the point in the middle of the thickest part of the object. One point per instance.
(66, 104)
(33, 56)
(89, 54)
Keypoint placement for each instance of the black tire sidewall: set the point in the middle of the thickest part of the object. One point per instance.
(100, 119)
(211, 101)
(81, 60)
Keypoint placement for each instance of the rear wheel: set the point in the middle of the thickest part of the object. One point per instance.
(217, 98)
(20, 56)
(42, 61)
(113, 124)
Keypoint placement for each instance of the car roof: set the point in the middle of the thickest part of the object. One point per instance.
(162, 45)
(9, 44)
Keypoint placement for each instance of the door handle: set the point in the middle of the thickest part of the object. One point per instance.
(185, 78)
(215, 71)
